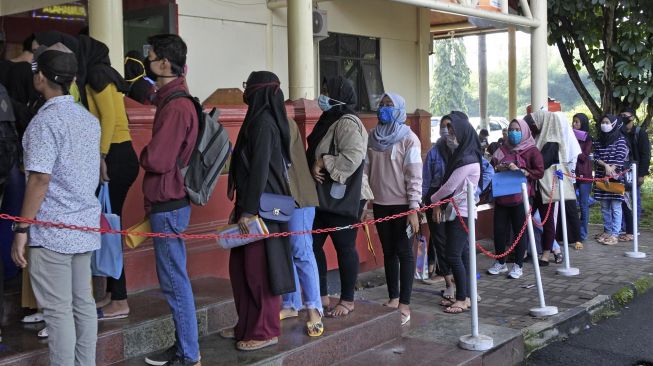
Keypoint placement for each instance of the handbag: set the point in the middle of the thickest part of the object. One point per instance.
(277, 207)
(547, 181)
(421, 259)
(255, 226)
(611, 186)
(134, 241)
(341, 199)
(107, 261)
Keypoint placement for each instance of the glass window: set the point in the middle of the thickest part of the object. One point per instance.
(357, 59)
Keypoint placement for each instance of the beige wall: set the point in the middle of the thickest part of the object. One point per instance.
(227, 41)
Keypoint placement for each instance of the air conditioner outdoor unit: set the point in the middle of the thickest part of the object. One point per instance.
(320, 31)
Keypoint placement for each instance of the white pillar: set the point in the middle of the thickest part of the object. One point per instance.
(301, 70)
(482, 79)
(512, 73)
(424, 45)
(105, 25)
(539, 77)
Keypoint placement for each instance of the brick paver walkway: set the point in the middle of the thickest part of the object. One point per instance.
(603, 270)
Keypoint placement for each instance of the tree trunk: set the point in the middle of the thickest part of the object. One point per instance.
(607, 100)
(568, 61)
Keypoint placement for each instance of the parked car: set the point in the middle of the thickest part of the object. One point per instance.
(435, 129)
(495, 127)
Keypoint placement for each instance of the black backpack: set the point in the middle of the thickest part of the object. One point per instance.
(9, 144)
(209, 156)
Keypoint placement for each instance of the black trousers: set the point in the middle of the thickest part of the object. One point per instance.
(573, 223)
(344, 242)
(122, 168)
(398, 258)
(505, 218)
(458, 256)
(437, 245)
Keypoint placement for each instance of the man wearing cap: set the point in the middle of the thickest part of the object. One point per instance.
(62, 160)
(640, 153)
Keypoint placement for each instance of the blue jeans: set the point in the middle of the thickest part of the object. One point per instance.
(306, 273)
(173, 278)
(611, 211)
(584, 190)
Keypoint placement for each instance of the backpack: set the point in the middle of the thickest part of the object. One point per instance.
(209, 156)
(9, 144)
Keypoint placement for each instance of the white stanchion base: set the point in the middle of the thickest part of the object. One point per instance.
(638, 255)
(571, 271)
(471, 343)
(545, 311)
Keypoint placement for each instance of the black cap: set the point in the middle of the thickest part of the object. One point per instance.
(57, 63)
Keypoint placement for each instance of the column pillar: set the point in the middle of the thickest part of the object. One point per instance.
(482, 80)
(539, 77)
(301, 69)
(424, 44)
(105, 25)
(512, 73)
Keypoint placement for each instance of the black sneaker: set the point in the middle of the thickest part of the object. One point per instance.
(178, 362)
(166, 357)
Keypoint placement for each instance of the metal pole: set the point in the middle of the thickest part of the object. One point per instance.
(567, 270)
(635, 253)
(543, 310)
(474, 341)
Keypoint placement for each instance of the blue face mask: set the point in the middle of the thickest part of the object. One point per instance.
(323, 102)
(514, 137)
(385, 114)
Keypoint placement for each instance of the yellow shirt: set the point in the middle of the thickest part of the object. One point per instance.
(109, 107)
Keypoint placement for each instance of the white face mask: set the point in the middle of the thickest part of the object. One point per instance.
(606, 127)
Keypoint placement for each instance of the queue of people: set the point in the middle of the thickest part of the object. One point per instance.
(76, 135)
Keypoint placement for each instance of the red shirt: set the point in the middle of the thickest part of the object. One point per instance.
(173, 138)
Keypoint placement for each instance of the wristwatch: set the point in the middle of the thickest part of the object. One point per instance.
(19, 229)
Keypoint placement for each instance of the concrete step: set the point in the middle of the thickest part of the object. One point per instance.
(148, 328)
(435, 342)
(368, 326)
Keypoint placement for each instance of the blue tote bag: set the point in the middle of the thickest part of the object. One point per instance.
(107, 261)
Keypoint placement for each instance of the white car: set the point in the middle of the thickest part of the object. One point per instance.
(496, 125)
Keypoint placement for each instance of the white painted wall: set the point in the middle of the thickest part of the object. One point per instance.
(227, 40)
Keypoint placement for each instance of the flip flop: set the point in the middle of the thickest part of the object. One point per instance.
(330, 313)
(287, 315)
(448, 296)
(314, 329)
(405, 319)
(228, 333)
(243, 346)
(447, 302)
(455, 310)
(101, 316)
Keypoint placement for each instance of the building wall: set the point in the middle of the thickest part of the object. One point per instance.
(226, 41)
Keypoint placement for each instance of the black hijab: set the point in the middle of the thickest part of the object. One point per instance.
(95, 57)
(265, 101)
(469, 146)
(341, 89)
(608, 138)
(584, 121)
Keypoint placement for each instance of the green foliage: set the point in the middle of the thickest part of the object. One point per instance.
(613, 41)
(450, 77)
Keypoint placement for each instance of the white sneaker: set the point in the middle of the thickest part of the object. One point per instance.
(516, 272)
(43, 333)
(34, 318)
(497, 268)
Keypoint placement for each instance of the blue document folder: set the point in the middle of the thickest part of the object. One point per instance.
(507, 183)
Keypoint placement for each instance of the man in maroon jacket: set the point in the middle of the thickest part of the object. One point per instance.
(173, 139)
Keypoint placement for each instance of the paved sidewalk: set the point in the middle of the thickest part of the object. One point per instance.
(604, 273)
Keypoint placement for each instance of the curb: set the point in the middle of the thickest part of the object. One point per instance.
(561, 326)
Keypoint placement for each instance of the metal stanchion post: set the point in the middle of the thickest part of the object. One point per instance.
(567, 270)
(543, 310)
(635, 253)
(474, 341)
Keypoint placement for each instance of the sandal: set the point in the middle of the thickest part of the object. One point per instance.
(228, 333)
(102, 316)
(543, 263)
(256, 345)
(578, 245)
(612, 240)
(626, 237)
(558, 258)
(601, 237)
(314, 329)
(447, 302)
(405, 318)
(330, 314)
(449, 295)
(455, 310)
(288, 313)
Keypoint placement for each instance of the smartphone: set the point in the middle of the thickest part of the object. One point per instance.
(409, 231)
